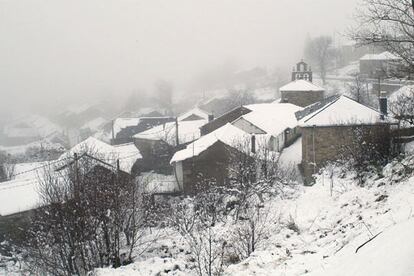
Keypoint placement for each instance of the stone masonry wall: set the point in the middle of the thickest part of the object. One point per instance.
(302, 98)
(322, 144)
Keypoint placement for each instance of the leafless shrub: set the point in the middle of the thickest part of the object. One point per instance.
(92, 217)
(251, 233)
(196, 220)
(368, 151)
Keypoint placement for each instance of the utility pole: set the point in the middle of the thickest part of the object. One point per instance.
(177, 141)
(113, 131)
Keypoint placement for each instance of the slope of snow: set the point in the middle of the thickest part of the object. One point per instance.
(332, 225)
(390, 253)
(301, 85)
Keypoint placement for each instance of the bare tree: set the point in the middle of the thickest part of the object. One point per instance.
(196, 219)
(320, 52)
(402, 106)
(7, 166)
(359, 91)
(390, 25)
(367, 151)
(90, 209)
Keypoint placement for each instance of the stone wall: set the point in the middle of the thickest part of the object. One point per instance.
(302, 98)
(322, 144)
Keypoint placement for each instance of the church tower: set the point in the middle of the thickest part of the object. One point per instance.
(302, 72)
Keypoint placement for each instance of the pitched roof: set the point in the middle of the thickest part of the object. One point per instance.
(382, 56)
(273, 118)
(301, 85)
(228, 134)
(127, 154)
(187, 131)
(195, 111)
(342, 111)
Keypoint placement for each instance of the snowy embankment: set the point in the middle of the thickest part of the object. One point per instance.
(321, 229)
(332, 227)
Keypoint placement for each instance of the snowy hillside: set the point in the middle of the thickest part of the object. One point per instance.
(318, 231)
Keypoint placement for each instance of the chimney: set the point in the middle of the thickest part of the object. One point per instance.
(383, 104)
(210, 117)
(253, 142)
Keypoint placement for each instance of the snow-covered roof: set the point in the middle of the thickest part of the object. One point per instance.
(342, 111)
(195, 111)
(19, 195)
(273, 118)
(187, 131)
(121, 123)
(301, 85)
(227, 134)
(22, 192)
(127, 154)
(382, 56)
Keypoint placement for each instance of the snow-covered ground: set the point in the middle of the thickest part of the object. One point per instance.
(332, 218)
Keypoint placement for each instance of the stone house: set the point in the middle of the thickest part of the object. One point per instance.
(208, 158)
(276, 120)
(383, 65)
(123, 129)
(301, 93)
(332, 132)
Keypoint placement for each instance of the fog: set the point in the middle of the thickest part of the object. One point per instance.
(52, 52)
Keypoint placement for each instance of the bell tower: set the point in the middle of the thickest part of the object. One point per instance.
(302, 72)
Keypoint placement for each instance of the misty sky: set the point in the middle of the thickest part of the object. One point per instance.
(53, 49)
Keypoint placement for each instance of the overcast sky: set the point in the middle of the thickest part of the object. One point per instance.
(53, 49)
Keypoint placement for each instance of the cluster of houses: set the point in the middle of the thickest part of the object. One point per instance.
(178, 151)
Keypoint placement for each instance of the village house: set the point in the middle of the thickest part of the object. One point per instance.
(158, 144)
(383, 65)
(208, 158)
(124, 128)
(277, 120)
(332, 131)
(20, 195)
